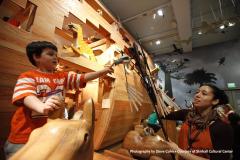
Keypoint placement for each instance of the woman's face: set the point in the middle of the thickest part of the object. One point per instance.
(204, 98)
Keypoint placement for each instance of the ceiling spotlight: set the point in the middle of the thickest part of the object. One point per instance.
(100, 12)
(158, 42)
(222, 26)
(160, 12)
(231, 24)
(199, 32)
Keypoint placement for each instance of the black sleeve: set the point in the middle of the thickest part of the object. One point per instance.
(234, 118)
(222, 140)
(179, 115)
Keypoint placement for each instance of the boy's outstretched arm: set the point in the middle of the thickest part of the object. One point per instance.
(93, 75)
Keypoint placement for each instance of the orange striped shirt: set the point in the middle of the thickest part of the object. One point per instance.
(41, 85)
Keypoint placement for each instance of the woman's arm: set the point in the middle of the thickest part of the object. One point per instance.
(222, 139)
(234, 118)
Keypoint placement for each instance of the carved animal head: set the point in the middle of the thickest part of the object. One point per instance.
(145, 146)
(62, 139)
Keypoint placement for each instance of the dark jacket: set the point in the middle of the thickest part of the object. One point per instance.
(221, 134)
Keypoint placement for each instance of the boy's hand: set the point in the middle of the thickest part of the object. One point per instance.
(53, 103)
(109, 69)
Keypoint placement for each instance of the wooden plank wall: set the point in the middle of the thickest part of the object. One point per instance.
(12, 64)
(14, 40)
(123, 115)
(49, 15)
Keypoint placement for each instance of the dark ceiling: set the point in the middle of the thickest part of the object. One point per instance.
(180, 24)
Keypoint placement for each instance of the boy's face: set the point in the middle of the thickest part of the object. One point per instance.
(47, 60)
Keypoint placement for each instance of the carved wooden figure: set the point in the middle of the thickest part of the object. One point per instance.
(144, 144)
(62, 139)
(79, 46)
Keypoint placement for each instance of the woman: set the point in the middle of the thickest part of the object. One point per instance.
(203, 134)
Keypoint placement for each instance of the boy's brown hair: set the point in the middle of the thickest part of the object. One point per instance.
(36, 48)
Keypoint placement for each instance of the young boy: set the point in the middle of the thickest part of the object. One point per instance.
(41, 91)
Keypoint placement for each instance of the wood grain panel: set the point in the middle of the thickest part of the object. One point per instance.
(21, 3)
(111, 124)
